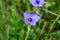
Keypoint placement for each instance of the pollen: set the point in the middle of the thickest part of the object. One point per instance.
(30, 19)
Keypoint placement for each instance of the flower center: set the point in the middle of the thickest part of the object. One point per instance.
(30, 19)
(37, 1)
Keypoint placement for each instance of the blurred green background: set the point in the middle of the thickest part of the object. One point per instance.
(13, 26)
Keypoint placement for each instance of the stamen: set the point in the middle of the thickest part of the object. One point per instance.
(30, 19)
(37, 1)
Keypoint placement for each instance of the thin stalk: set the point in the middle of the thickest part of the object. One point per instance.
(29, 28)
(51, 27)
(46, 10)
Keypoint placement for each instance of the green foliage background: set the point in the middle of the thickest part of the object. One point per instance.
(13, 26)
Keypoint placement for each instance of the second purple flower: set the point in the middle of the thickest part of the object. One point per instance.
(37, 3)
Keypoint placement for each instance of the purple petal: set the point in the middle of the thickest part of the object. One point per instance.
(26, 14)
(35, 17)
(26, 20)
(37, 4)
(32, 23)
(41, 2)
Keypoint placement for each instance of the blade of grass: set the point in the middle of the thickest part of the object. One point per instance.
(46, 10)
(51, 27)
(29, 28)
(42, 30)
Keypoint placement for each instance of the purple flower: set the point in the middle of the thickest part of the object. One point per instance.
(31, 18)
(37, 3)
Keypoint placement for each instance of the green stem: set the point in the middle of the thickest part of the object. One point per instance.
(43, 27)
(51, 27)
(29, 27)
(46, 10)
